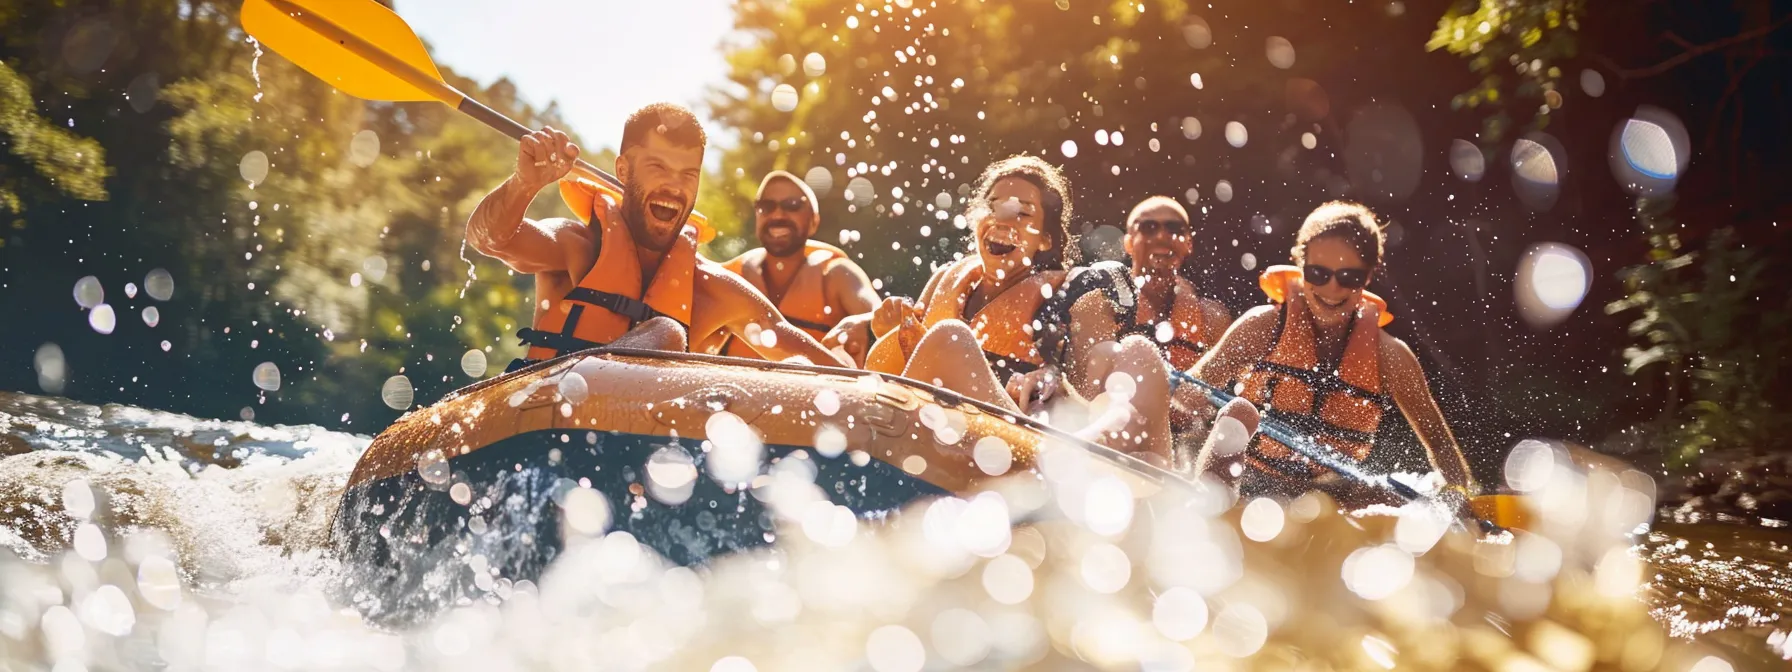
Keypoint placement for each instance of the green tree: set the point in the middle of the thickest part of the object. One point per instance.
(42, 159)
(1707, 323)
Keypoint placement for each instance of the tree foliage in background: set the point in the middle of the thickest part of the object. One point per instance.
(1709, 325)
(916, 98)
(343, 266)
(1518, 49)
(42, 161)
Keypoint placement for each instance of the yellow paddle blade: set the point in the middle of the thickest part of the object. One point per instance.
(358, 46)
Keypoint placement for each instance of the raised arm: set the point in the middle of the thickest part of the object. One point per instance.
(1405, 381)
(497, 227)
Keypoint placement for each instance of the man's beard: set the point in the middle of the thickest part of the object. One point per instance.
(634, 213)
(789, 246)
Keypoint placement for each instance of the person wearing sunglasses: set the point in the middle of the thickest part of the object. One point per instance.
(812, 283)
(1169, 311)
(1317, 359)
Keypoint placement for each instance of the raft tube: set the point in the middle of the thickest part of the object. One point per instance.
(490, 469)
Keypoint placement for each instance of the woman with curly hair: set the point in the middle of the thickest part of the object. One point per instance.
(983, 325)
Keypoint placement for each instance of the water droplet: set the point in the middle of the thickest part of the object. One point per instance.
(1008, 579)
(473, 363)
(671, 475)
(830, 442)
(736, 451)
(1592, 82)
(859, 191)
(143, 91)
(1308, 140)
(1536, 171)
(1236, 135)
(1248, 261)
(785, 98)
(461, 493)
(102, 319)
(130, 290)
(993, 455)
(821, 180)
(961, 637)
(253, 167)
(573, 388)
(1280, 52)
(397, 392)
(1240, 630)
(151, 316)
(1467, 161)
(1191, 128)
(77, 499)
(1223, 190)
(159, 284)
(586, 511)
(1179, 614)
(1196, 32)
(158, 581)
(266, 376)
(894, 648)
(374, 268)
(88, 292)
(815, 65)
(364, 148)
(1105, 568)
(1552, 280)
(433, 468)
(1068, 149)
(1262, 520)
(90, 542)
(827, 402)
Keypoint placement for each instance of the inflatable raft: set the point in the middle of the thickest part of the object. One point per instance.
(669, 447)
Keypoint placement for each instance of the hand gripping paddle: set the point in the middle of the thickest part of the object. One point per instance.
(366, 51)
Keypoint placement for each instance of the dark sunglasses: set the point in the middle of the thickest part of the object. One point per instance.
(1174, 227)
(1348, 278)
(767, 206)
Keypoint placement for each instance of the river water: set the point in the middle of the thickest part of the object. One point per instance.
(132, 538)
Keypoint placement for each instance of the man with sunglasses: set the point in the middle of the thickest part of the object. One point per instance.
(813, 284)
(1168, 310)
(1317, 360)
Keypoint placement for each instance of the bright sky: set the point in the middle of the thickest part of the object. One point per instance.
(600, 59)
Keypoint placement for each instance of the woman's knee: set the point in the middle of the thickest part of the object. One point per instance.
(949, 334)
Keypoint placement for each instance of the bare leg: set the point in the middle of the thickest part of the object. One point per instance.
(660, 333)
(1146, 433)
(949, 353)
(1222, 455)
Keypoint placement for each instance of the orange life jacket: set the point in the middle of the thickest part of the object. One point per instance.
(1338, 403)
(611, 298)
(1007, 327)
(1190, 335)
(805, 301)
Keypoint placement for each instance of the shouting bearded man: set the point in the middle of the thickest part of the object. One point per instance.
(632, 277)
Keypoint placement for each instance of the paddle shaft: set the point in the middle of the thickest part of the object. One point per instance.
(1307, 446)
(1320, 453)
(437, 88)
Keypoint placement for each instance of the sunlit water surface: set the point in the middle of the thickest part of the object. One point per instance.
(133, 538)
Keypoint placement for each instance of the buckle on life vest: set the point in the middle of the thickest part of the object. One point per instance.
(559, 343)
(636, 310)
